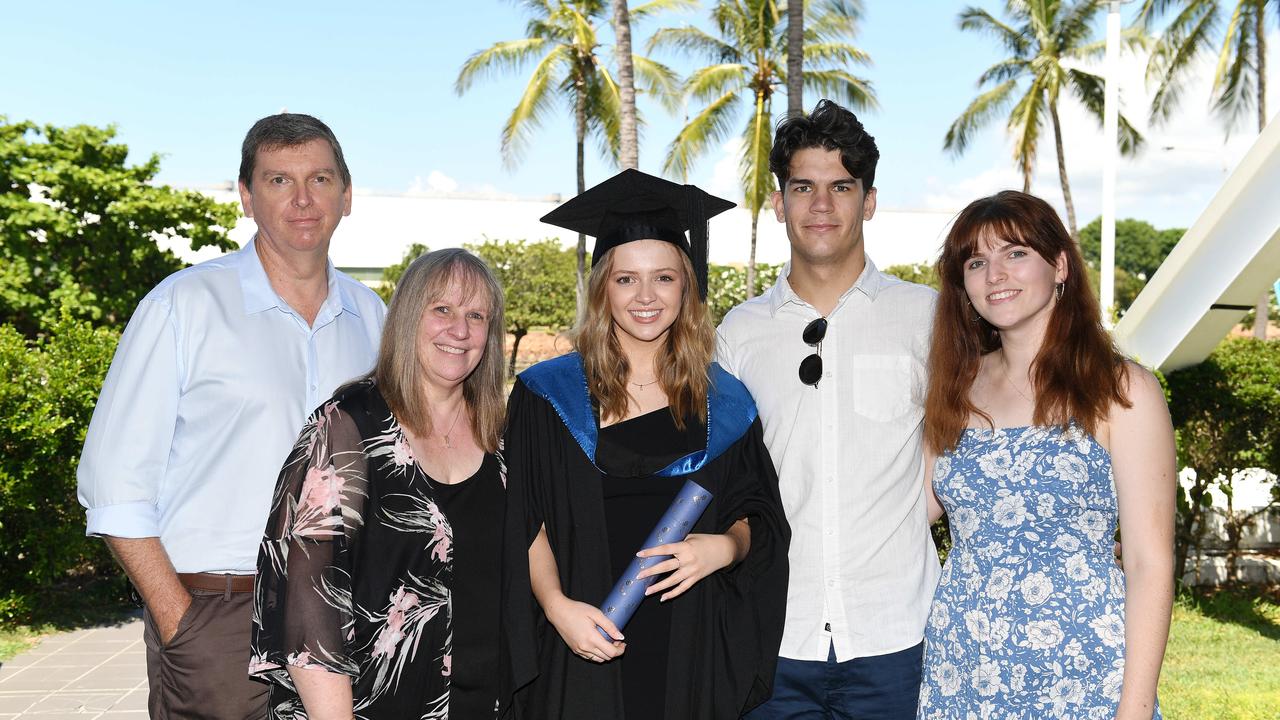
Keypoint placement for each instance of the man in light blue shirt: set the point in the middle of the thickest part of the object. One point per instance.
(213, 379)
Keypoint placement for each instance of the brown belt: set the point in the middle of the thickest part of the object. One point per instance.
(212, 582)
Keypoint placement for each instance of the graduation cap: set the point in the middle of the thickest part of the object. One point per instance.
(637, 206)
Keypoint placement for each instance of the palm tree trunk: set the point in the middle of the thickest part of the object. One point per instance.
(795, 58)
(1263, 308)
(580, 126)
(751, 259)
(1062, 173)
(629, 152)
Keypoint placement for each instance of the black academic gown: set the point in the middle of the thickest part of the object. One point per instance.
(725, 631)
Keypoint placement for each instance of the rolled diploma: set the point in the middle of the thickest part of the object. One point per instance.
(674, 526)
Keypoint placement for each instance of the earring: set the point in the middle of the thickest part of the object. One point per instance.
(973, 312)
(1057, 291)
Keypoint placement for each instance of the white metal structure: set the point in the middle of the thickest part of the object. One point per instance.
(1217, 270)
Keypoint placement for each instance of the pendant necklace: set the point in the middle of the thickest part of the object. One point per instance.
(456, 415)
(642, 386)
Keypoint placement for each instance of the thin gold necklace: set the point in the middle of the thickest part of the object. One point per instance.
(642, 386)
(1004, 362)
(456, 414)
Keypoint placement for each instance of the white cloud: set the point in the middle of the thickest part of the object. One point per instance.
(436, 182)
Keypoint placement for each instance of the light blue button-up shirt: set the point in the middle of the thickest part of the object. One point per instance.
(211, 384)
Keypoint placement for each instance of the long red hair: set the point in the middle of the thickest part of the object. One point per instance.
(1077, 374)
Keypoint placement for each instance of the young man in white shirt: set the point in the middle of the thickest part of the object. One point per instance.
(835, 355)
(212, 381)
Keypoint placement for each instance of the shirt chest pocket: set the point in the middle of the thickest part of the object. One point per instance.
(883, 386)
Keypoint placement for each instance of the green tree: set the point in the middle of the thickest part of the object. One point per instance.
(538, 281)
(1044, 41)
(391, 273)
(748, 56)
(921, 273)
(562, 40)
(79, 225)
(727, 286)
(1224, 412)
(51, 386)
(1140, 248)
(1239, 78)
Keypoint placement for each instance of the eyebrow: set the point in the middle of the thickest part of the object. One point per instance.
(624, 271)
(838, 181)
(322, 171)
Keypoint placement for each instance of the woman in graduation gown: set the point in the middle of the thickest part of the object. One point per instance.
(598, 443)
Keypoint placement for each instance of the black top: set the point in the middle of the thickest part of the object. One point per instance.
(357, 571)
(722, 645)
(474, 508)
(630, 452)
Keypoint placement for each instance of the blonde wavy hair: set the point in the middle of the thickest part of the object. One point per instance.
(397, 372)
(681, 364)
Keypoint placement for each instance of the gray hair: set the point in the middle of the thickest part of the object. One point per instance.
(287, 130)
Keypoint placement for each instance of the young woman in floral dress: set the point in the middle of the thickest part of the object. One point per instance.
(1045, 438)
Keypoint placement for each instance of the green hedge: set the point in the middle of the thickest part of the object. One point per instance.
(46, 402)
(1225, 412)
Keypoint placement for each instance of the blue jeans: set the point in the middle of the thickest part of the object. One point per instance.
(880, 687)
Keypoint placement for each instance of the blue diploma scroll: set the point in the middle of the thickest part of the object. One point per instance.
(674, 526)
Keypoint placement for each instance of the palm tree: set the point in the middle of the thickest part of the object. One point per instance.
(562, 42)
(795, 58)
(1044, 41)
(748, 61)
(1239, 80)
(629, 151)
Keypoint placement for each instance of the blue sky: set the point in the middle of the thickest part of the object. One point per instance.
(187, 79)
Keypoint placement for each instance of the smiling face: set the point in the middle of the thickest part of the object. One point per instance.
(646, 285)
(297, 198)
(824, 208)
(1010, 285)
(452, 335)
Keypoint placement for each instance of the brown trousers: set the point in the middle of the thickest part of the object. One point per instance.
(203, 672)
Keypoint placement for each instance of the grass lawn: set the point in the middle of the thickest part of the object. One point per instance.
(1223, 659)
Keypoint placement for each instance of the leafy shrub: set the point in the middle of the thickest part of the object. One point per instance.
(51, 387)
(727, 286)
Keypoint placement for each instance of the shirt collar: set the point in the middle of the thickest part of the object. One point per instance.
(869, 283)
(260, 296)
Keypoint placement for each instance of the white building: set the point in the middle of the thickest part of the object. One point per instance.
(383, 225)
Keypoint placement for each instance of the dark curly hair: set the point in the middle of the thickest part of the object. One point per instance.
(830, 127)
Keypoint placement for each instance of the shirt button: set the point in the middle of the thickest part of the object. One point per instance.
(830, 531)
(831, 583)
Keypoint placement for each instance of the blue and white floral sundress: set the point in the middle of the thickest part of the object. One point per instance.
(1028, 618)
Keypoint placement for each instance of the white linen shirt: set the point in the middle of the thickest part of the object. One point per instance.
(210, 386)
(848, 456)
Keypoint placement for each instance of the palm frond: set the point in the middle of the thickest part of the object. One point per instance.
(979, 113)
(1174, 55)
(707, 83)
(534, 103)
(1090, 90)
(1233, 80)
(1004, 70)
(1076, 24)
(757, 141)
(692, 41)
(709, 127)
(505, 56)
(981, 21)
(653, 7)
(1024, 125)
(658, 81)
(850, 90)
(816, 54)
(604, 115)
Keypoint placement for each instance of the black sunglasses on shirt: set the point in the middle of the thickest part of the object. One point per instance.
(811, 367)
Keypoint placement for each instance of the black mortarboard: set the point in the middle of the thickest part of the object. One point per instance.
(637, 206)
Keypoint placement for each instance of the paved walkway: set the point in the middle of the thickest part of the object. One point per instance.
(94, 673)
